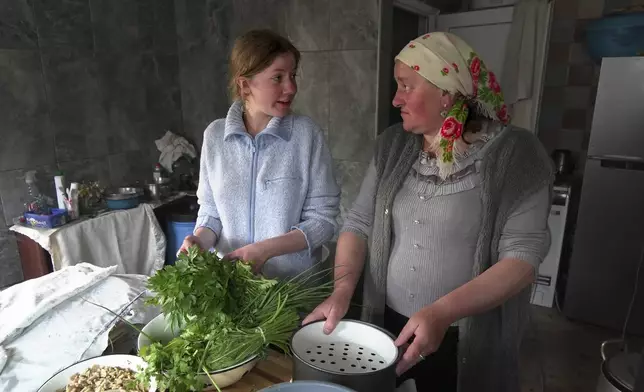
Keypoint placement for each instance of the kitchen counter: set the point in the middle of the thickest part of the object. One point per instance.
(34, 243)
(275, 369)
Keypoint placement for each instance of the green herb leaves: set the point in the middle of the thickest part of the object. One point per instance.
(225, 314)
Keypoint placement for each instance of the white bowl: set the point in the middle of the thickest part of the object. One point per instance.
(159, 328)
(61, 379)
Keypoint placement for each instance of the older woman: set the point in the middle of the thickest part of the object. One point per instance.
(453, 210)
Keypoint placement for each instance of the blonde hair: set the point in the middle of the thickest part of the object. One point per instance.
(252, 53)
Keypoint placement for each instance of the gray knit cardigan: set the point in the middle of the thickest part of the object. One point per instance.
(514, 167)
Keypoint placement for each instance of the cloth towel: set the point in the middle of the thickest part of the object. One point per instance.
(48, 323)
(173, 147)
(130, 239)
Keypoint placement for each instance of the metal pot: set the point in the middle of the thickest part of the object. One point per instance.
(618, 370)
(357, 355)
(123, 198)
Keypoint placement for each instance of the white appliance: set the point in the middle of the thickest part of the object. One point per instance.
(544, 290)
(608, 250)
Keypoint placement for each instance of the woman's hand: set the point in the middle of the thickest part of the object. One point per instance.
(428, 327)
(255, 254)
(332, 309)
(189, 241)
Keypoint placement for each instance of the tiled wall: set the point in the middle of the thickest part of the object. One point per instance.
(86, 86)
(337, 85)
(571, 77)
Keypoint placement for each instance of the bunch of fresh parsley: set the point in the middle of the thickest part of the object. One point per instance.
(225, 315)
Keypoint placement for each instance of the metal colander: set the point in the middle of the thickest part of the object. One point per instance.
(354, 347)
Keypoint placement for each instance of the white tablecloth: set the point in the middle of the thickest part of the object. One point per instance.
(130, 239)
(48, 323)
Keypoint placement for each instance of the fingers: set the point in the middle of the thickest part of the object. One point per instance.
(316, 315)
(407, 332)
(332, 320)
(412, 355)
(232, 256)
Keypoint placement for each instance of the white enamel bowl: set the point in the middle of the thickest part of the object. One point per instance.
(159, 329)
(61, 379)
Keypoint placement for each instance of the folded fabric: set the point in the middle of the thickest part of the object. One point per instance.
(173, 147)
(22, 304)
(130, 239)
(72, 330)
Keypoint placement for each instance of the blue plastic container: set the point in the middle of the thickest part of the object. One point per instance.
(616, 36)
(123, 204)
(57, 218)
(177, 229)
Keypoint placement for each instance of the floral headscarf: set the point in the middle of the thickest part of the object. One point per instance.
(450, 64)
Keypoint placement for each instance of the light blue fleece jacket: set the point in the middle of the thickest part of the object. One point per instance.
(252, 189)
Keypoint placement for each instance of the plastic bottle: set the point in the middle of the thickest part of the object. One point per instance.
(157, 174)
(59, 183)
(74, 213)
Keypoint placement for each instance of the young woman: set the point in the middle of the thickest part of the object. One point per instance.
(267, 192)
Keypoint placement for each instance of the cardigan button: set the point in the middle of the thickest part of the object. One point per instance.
(386, 211)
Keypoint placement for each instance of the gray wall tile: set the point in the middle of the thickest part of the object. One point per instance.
(577, 97)
(581, 75)
(579, 55)
(354, 24)
(615, 5)
(26, 135)
(307, 24)
(9, 259)
(590, 9)
(128, 168)
(254, 14)
(64, 23)
(203, 23)
(122, 25)
(142, 98)
(204, 37)
(349, 176)
(563, 31)
(566, 9)
(164, 32)
(313, 88)
(204, 95)
(78, 118)
(95, 169)
(134, 25)
(556, 75)
(353, 101)
(17, 25)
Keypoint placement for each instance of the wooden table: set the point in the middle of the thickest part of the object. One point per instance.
(275, 369)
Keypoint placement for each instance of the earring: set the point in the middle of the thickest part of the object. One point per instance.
(443, 112)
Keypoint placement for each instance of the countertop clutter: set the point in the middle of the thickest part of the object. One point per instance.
(44, 250)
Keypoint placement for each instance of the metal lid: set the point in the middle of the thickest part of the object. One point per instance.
(622, 369)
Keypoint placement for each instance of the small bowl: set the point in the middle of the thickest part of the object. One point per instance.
(61, 379)
(159, 328)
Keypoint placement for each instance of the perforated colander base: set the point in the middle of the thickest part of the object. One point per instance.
(344, 358)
